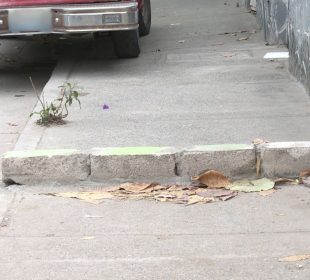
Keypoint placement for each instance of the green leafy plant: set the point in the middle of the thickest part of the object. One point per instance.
(56, 111)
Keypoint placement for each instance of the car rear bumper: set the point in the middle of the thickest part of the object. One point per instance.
(69, 18)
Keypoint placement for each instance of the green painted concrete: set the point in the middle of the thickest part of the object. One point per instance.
(131, 151)
(128, 151)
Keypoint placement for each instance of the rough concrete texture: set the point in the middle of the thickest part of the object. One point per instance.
(25, 168)
(274, 17)
(239, 239)
(6, 199)
(19, 60)
(249, 4)
(287, 22)
(285, 159)
(234, 162)
(140, 166)
(299, 40)
(193, 84)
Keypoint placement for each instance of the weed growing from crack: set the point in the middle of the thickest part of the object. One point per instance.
(56, 111)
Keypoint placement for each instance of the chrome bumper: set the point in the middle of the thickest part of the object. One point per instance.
(69, 19)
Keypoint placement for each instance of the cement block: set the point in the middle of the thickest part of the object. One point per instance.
(65, 166)
(285, 159)
(232, 160)
(145, 163)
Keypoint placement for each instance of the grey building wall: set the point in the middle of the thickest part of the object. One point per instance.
(245, 3)
(299, 39)
(273, 17)
(288, 22)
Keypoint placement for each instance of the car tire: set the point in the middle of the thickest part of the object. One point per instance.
(145, 18)
(126, 43)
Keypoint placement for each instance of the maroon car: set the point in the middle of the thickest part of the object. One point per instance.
(126, 20)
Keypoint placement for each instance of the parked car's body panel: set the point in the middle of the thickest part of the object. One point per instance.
(126, 20)
(24, 3)
(48, 17)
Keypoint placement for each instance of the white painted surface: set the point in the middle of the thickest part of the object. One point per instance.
(277, 55)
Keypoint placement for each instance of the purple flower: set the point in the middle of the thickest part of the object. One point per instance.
(105, 107)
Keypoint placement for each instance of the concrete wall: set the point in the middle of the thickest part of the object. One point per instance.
(245, 3)
(288, 22)
(273, 17)
(248, 4)
(299, 40)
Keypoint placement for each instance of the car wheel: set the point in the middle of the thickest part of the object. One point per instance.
(145, 18)
(126, 43)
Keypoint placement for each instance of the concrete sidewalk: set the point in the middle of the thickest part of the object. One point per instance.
(201, 79)
(44, 237)
(19, 60)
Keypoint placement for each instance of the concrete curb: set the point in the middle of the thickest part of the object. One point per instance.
(35, 167)
(154, 163)
(285, 159)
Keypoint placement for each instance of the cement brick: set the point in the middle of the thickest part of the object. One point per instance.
(232, 160)
(285, 159)
(144, 165)
(45, 166)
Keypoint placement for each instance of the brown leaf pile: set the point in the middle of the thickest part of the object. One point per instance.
(187, 195)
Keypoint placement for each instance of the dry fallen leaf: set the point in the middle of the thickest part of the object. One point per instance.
(263, 184)
(88, 237)
(164, 193)
(194, 199)
(215, 192)
(213, 179)
(137, 188)
(284, 181)
(304, 175)
(111, 189)
(267, 193)
(224, 198)
(295, 258)
(258, 141)
(91, 197)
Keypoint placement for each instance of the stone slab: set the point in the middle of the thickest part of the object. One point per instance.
(232, 160)
(286, 159)
(160, 164)
(133, 163)
(35, 167)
